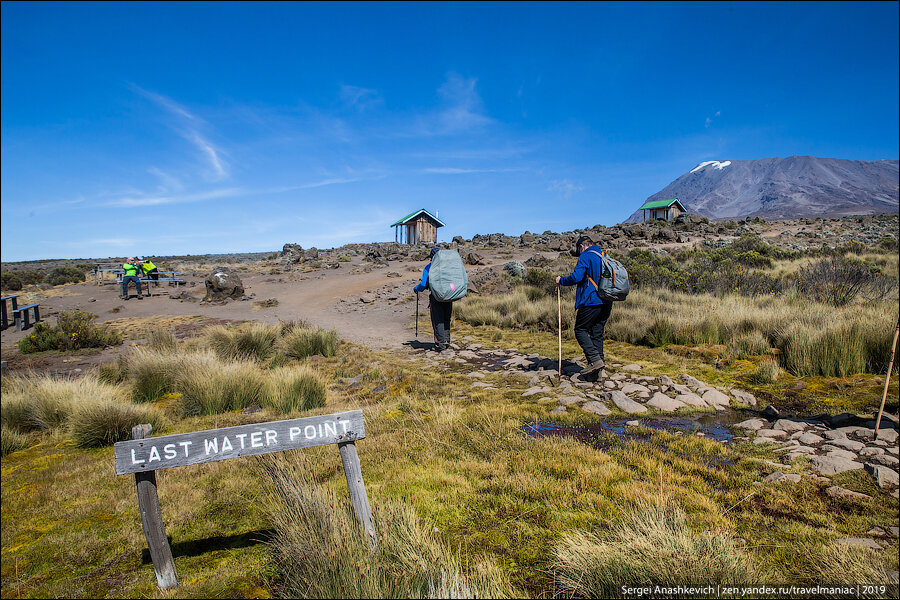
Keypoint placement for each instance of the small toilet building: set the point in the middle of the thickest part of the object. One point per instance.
(419, 227)
(662, 209)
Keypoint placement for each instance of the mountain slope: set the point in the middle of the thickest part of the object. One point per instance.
(786, 188)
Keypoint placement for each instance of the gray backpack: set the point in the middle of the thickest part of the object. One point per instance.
(614, 285)
(447, 277)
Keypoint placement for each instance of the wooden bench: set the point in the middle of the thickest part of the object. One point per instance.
(4, 316)
(170, 277)
(21, 316)
(108, 267)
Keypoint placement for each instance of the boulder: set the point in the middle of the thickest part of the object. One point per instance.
(514, 268)
(745, 398)
(753, 424)
(716, 399)
(839, 492)
(473, 258)
(626, 404)
(222, 284)
(692, 399)
(596, 408)
(885, 477)
(887, 435)
(789, 426)
(691, 381)
(831, 465)
(660, 401)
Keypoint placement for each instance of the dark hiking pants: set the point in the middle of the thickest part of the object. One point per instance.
(129, 278)
(590, 321)
(440, 322)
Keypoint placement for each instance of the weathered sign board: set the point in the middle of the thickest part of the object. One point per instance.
(144, 455)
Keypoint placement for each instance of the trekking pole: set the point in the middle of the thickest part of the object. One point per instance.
(559, 329)
(417, 315)
(887, 379)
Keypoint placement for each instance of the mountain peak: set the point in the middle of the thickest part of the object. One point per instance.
(785, 188)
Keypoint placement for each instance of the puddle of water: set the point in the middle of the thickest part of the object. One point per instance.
(608, 433)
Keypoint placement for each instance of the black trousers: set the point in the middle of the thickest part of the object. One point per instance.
(590, 322)
(441, 312)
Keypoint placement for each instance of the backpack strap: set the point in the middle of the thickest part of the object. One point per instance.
(602, 257)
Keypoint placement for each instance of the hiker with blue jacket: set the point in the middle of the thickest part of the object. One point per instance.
(591, 311)
(441, 312)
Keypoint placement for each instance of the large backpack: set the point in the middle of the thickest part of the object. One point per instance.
(614, 285)
(447, 277)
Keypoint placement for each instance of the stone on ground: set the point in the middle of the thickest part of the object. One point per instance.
(692, 399)
(832, 465)
(779, 477)
(789, 425)
(716, 399)
(631, 368)
(885, 477)
(626, 404)
(860, 543)
(753, 424)
(660, 401)
(839, 492)
(745, 398)
(775, 434)
(691, 381)
(595, 407)
(630, 388)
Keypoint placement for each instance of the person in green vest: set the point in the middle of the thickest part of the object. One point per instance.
(149, 269)
(131, 274)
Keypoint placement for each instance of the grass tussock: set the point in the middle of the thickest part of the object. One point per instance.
(653, 546)
(300, 342)
(12, 440)
(211, 386)
(162, 340)
(45, 403)
(294, 389)
(839, 563)
(253, 341)
(103, 423)
(322, 552)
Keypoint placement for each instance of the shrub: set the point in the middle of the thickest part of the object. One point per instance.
(654, 546)
(62, 275)
(290, 389)
(838, 280)
(321, 551)
(542, 280)
(74, 330)
(10, 281)
(301, 342)
(11, 441)
(249, 340)
(102, 423)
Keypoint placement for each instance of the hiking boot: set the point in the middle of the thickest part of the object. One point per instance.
(593, 367)
(140, 297)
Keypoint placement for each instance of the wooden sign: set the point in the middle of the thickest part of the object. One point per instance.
(153, 454)
(143, 455)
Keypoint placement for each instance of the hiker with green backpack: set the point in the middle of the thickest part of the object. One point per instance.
(445, 277)
(600, 280)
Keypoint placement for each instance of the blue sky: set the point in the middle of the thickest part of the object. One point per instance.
(160, 129)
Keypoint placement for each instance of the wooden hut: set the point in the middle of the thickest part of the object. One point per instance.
(419, 227)
(662, 209)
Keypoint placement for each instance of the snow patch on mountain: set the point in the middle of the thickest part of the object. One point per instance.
(716, 164)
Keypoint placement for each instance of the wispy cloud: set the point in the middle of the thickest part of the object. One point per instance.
(359, 98)
(709, 120)
(188, 126)
(157, 200)
(169, 182)
(566, 187)
(456, 171)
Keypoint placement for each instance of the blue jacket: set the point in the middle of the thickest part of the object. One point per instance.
(588, 265)
(424, 285)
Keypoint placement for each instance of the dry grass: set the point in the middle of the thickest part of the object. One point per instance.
(524, 307)
(209, 385)
(323, 552)
(11, 440)
(294, 389)
(300, 342)
(255, 341)
(104, 423)
(45, 403)
(653, 546)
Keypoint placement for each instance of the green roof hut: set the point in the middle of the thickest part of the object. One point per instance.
(662, 209)
(420, 228)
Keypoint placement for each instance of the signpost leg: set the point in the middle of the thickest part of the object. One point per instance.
(151, 519)
(358, 496)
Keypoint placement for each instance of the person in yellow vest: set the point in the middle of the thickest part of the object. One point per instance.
(149, 269)
(131, 274)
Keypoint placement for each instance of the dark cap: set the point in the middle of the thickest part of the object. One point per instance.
(433, 252)
(584, 240)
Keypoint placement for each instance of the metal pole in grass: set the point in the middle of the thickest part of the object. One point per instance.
(559, 328)
(887, 378)
(417, 315)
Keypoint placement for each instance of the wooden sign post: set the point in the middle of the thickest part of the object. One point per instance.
(144, 455)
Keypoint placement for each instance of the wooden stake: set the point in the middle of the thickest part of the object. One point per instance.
(887, 378)
(559, 328)
(358, 497)
(151, 519)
